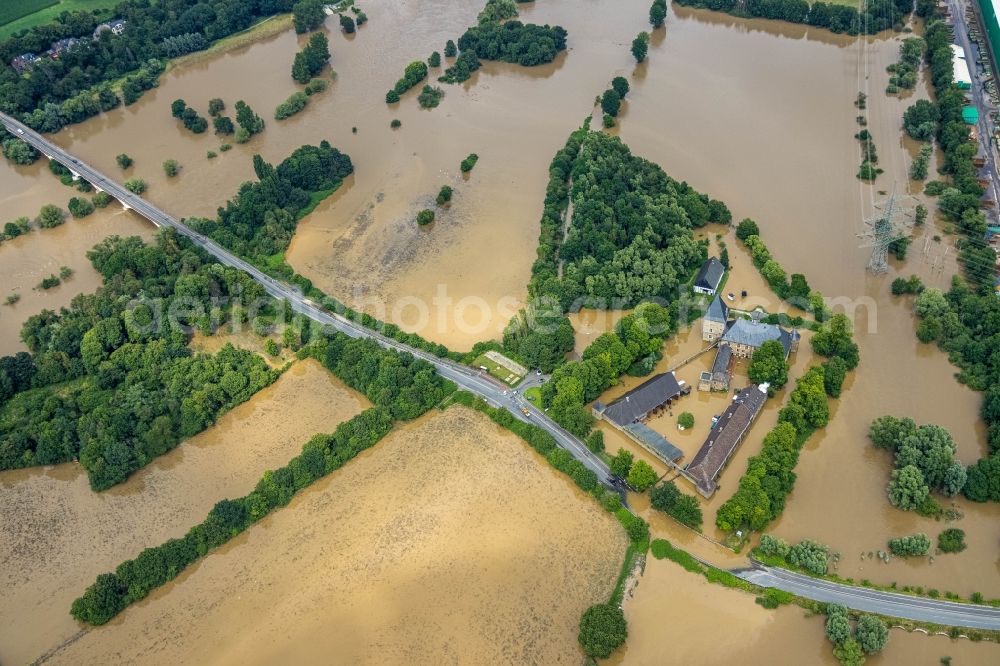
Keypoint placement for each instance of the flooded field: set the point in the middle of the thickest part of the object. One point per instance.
(809, 206)
(449, 542)
(56, 534)
(26, 260)
(714, 624)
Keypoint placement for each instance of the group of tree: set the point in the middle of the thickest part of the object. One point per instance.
(308, 15)
(18, 151)
(869, 157)
(851, 644)
(770, 476)
(807, 554)
(683, 508)
(633, 347)
(904, 72)
(311, 60)
(923, 460)
(498, 37)
(794, 289)
(611, 99)
(430, 97)
(918, 168)
(80, 207)
(260, 220)
(768, 365)
(188, 116)
(75, 86)
(250, 123)
(295, 103)
(111, 382)
(399, 386)
(872, 18)
(414, 73)
(912, 545)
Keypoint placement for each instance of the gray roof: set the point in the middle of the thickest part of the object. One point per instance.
(755, 334)
(722, 358)
(710, 274)
(723, 439)
(643, 399)
(655, 441)
(717, 311)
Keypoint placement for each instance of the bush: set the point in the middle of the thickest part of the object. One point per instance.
(315, 86)
(430, 97)
(51, 216)
(602, 630)
(295, 103)
(171, 168)
(426, 216)
(951, 541)
(391, 97)
(434, 60)
(595, 441)
(469, 162)
(685, 509)
(809, 555)
(773, 546)
(913, 545)
(608, 121)
(101, 200)
(396, 123)
(871, 634)
(444, 195)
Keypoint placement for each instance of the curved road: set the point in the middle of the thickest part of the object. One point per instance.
(874, 601)
(471, 380)
(863, 599)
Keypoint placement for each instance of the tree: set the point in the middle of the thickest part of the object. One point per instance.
(307, 15)
(595, 441)
(686, 420)
(907, 489)
(469, 162)
(216, 106)
(434, 60)
(424, 217)
(177, 108)
(347, 24)
(444, 195)
(641, 476)
(747, 228)
(171, 167)
(888, 432)
(50, 216)
(951, 540)
(247, 119)
(849, 653)
(450, 50)
(79, 207)
(640, 46)
(135, 185)
(602, 630)
(610, 102)
(836, 338)
(871, 634)
(658, 13)
(834, 374)
(838, 628)
(983, 482)
(621, 464)
(124, 161)
(223, 125)
(620, 86)
(768, 365)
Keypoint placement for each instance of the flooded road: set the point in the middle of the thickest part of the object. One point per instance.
(56, 534)
(714, 623)
(449, 542)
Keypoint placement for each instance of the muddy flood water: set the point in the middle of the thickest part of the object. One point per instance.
(56, 534)
(450, 542)
(719, 626)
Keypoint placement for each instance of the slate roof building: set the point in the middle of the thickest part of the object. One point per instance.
(746, 336)
(23, 62)
(709, 277)
(628, 412)
(116, 27)
(720, 376)
(724, 438)
(713, 323)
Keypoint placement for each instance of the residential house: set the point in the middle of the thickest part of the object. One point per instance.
(709, 277)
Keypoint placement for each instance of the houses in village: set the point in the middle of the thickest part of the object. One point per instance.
(26, 61)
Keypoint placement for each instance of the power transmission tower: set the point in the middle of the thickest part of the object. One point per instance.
(891, 222)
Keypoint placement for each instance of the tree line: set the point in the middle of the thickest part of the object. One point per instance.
(112, 383)
(873, 18)
(77, 85)
(401, 388)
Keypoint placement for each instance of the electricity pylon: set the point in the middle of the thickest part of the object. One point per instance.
(891, 223)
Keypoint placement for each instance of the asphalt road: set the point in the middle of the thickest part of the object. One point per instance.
(471, 380)
(875, 601)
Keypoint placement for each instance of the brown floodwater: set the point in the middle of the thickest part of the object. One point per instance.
(56, 534)
(26, 260)
(780, 151)
(714, 623)
(449, 542)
